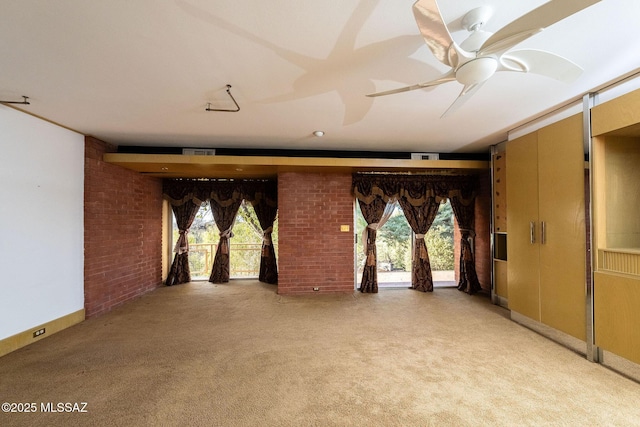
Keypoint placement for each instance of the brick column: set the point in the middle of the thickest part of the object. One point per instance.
(122, 232)
(483, 254)
(313, 252)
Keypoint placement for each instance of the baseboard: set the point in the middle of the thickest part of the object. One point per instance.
(27, 337)
(610, 360)
(553, 334)
(501, 301)
(621, 365)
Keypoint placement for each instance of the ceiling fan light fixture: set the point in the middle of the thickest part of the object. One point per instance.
(476, 71)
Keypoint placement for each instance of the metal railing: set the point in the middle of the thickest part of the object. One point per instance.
(201, 259)
(244, 259)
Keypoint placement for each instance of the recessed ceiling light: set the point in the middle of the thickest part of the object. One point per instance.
(318, 133)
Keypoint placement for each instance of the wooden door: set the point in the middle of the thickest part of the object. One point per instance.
(522, 212)
(562, 215)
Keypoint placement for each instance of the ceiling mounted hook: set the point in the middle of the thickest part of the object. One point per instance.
(228, 111)
(24, 101)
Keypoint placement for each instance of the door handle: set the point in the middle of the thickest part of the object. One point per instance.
(532, 232)
(543, 233)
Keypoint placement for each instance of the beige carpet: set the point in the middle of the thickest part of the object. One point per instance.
(240, 355)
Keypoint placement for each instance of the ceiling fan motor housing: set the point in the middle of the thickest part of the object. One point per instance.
(476, 18)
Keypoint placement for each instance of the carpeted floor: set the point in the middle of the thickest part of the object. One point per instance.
(238, 354)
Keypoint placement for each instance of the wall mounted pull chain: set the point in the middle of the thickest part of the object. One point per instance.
(24, 101)
(228, 111)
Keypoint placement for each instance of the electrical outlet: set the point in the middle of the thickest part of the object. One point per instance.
(39, 332)
(316, 289)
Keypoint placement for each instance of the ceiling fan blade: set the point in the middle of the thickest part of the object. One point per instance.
(531, 23)
(464, 96)
(541, 62)
(435, 32)
(450, 76)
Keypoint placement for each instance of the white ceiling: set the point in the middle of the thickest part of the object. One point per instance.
(141, 72)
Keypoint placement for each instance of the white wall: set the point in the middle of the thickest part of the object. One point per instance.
(603, 95)
(41, 222)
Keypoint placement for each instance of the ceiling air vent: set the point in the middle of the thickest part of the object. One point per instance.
(199, 151)
(425, 156)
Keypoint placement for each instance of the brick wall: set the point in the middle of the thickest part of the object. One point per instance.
(456, 249)
(483, 232)
(313, 252)
(122, 232)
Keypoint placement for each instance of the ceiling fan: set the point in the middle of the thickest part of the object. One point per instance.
(483, 53)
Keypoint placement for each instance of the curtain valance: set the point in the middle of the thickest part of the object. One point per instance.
(415, 189)
(224, 192)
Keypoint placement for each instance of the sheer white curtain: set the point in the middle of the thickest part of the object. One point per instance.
(386, 214)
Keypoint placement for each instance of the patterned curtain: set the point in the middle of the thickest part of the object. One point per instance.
(374, 214)
(179, 272)
(419, 196)
(463, 205)
(185, 199)
(420, 219)
(187, 195)
(265, 204)
(225, 199)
